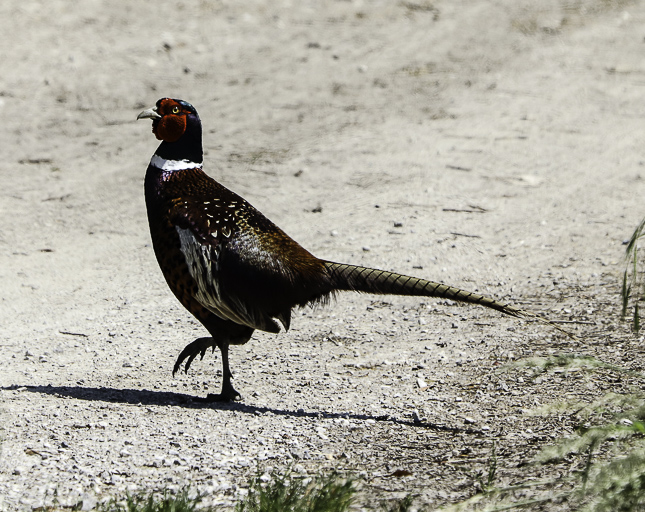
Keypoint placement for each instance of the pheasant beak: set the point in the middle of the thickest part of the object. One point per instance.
(151, 113)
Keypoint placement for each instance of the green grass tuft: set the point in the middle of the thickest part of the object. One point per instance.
(619, 486)
(288, 493)
(184, 501)
(267, 493)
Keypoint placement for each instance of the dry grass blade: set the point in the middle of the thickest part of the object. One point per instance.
(633, 285)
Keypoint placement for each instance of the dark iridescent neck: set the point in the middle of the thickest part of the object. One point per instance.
(189, 145)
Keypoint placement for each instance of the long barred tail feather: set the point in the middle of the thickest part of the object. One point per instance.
(370, 280)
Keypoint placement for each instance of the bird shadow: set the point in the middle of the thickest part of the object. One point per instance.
(173, 399)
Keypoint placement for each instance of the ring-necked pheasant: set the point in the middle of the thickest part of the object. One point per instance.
(232, 267)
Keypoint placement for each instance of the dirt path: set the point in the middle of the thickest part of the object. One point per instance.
(496, 146)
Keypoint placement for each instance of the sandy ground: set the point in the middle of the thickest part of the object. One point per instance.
(495, 146)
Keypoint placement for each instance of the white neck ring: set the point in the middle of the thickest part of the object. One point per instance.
(173, 165)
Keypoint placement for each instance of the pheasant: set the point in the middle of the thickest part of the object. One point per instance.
(230, 266)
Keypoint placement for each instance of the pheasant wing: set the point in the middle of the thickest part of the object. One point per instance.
(203, 246)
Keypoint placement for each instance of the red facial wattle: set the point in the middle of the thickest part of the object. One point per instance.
(170, 127)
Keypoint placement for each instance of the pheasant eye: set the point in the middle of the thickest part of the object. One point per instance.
(175, 110)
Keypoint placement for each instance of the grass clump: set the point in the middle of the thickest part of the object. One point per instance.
(605, 455)
(617, 482)
(272, 492)
(278, 493)
(184, 501)
(620, 485)
(267, 493)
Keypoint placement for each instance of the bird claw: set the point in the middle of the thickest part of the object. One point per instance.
(190, 352)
